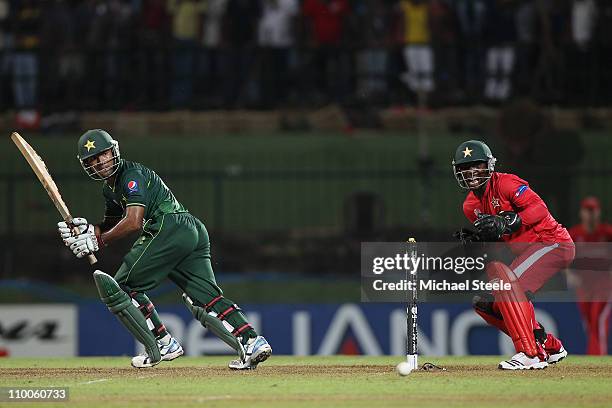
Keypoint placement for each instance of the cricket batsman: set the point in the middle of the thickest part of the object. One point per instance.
(502, 207)
(173, 244)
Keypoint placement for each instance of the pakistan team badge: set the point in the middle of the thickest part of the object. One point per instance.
(89, 145)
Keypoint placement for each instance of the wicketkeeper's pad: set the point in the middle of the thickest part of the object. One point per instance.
(516, 309)
(120, 304)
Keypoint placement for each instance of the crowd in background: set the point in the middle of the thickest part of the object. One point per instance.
(206, 54)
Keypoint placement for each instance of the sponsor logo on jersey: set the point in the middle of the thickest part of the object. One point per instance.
(521, 190)
(132, 186)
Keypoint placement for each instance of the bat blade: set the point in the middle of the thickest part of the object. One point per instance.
(42, 173)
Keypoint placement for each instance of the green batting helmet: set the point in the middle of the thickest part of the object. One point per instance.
(94, 142)
(472, 151)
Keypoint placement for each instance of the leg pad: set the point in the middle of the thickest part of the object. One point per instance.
(215, 325)
(120, 304)
(516, 309)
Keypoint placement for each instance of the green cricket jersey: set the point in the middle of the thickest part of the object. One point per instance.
(136, 184)
(174, 245)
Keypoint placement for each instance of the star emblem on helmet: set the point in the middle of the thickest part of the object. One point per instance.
(467, 152)
(89, 145)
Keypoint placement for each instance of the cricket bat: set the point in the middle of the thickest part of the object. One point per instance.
(41, 171)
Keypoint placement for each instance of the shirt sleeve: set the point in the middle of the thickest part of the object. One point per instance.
(134, 188)
(528, 204)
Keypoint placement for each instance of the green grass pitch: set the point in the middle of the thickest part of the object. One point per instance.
(285, 381)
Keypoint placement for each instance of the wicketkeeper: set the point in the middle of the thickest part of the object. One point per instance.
(173, 244)
(504, 208)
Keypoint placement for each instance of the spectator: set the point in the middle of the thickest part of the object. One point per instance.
(417, 52)
(6, 44)
(118, 39)
(581, 57)
(96, 26)
(472, 15)
(526, 51)
(153, 80)
(552, 22)
(27, 25)
(330, 64)
(501, 36)
(591, 275)
(583, 22)
(376, 22)
(241, 19)
(444, 31)
(275, 38)
(603, 36)
(212, 57)
(61, 61)
(186, 24)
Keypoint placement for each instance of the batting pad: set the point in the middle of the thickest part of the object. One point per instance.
(515, 308)
(120, 304)
(212, 323)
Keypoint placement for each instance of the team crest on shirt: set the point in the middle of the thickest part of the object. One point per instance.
(495, 203)
(132, 186)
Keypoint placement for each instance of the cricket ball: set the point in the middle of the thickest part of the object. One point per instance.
(403, 368)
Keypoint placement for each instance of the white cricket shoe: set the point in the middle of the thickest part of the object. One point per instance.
(257, 350)
(521, 361)
(554, 358)
(168, 350)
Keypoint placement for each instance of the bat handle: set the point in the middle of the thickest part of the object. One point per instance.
(91, 257)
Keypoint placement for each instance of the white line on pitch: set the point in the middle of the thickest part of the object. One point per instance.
(144, 377)
(93, 381)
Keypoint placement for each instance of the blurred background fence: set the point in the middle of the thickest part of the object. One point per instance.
(283, 198)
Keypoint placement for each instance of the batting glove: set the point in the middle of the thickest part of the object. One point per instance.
(85, 243)
(65, 230)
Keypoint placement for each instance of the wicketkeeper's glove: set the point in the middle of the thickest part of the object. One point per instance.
(492, 227)
(466, 236)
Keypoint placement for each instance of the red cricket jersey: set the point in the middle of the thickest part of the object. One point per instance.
(593, 263)
(603, 233)
(507, 192)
